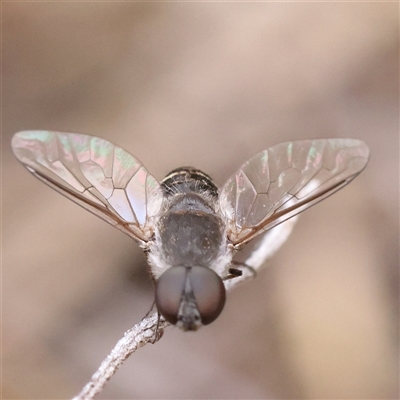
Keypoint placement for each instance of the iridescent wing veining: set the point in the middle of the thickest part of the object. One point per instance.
(96, 174)
(286, 179)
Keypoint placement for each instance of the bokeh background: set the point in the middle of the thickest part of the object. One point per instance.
(209, 85)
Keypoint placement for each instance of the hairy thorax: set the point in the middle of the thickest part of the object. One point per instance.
(194, 238)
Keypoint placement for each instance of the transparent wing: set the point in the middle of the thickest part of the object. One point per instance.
(94, 173)
(285, 180)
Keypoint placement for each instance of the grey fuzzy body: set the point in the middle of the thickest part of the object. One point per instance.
(189, 232)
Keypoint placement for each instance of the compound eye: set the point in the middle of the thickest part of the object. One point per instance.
(169, 289)
(209, 292)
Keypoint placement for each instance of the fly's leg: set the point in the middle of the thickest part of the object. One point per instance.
(233, 273)
(151, 309)
(236, 272)
(243, 265)
(159, 332)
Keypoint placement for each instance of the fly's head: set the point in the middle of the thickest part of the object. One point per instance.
(190, 297)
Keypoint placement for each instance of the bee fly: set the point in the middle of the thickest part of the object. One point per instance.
(188, 228)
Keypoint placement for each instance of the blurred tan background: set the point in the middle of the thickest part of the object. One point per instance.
(210, 85)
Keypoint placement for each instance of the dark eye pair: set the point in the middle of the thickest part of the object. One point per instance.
(207, 290)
